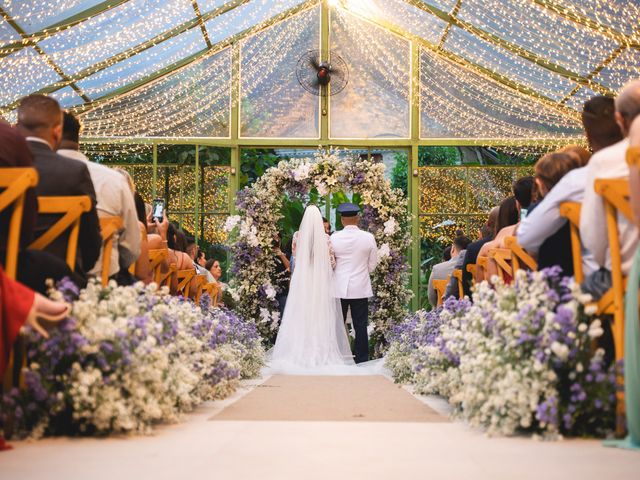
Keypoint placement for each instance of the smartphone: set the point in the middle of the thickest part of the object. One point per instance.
(157, 209)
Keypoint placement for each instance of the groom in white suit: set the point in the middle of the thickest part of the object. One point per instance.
(356, 257)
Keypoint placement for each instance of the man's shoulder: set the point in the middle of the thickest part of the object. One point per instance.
(603, 163)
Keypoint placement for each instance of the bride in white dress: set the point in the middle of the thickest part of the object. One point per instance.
(312, 336)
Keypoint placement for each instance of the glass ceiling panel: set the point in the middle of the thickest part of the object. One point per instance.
(273, 104)
(375, 102)
(142, 64)
(612, 13)
(576, 101)
(621, 70)
(246, 16)
(539, 31)
(67, 97)
(401, 14)
(33, 16)
(508, 64)
(11, 117)
(455, 102)
(24, 72)
(7, 33)
(194, 102)
(115, 31)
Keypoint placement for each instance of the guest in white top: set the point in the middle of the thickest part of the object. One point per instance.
(544, 221)
(114, 198)
(610, 163)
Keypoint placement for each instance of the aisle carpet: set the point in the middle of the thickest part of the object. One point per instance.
(329, 399)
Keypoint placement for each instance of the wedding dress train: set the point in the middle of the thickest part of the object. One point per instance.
(312, 339)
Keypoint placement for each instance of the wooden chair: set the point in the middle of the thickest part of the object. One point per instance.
(71, 209)
(481, 266)
(519, 256)
(169, 278)
(184, 282)
(471, 268)
(502, 257)
(214, 292)
(457, 274)
(156, 259)
(197, 287)
(109, 226)
(571, 211)
(15, 182)
(615, 194)
(440, 286)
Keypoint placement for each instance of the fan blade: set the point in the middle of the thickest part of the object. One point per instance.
(314, 63)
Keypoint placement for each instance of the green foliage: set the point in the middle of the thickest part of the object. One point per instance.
(254, 162)
(438, 156)
(400, 171)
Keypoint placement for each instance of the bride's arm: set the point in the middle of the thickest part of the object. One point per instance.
(332, 254)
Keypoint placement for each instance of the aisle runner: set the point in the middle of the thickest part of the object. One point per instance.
(316, 398)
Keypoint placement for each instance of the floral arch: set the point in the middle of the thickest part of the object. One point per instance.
(384, 214)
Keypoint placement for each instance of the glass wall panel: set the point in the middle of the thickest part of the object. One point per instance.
(273, 103)
(375, 101)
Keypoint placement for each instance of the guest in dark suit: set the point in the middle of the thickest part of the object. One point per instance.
(40, 120)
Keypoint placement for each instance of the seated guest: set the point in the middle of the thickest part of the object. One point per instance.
(193, 251)
(441, 271)
(634, 172)
(486, 235)
(609, 162)
(114, 198)
(523, 193)
(40, 120)
(461, 243)
(177, 242)
(214, 267)
(508, 215)
(545, 222)
(14, 152)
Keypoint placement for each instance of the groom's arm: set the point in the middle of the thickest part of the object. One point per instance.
(373, 254)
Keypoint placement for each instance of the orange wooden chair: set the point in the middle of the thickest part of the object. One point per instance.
(615, 194)
(15, 182)
(109, 227)
(440, 286)
(481, 266)
(502, 257)
(214, 292)
(71, 209)
(519, 256)
(156, 259)
(471, 268)
(571, 211)
(184, 282)
(197, 287)
(457, 274)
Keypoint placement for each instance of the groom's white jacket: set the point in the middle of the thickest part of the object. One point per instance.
(356, 257)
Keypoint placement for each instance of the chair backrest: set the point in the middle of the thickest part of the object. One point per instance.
(15, 182)
(213, 289)
(109, 226)
(633, 156)
(71, 209)
(571, 211)
(502, 257)
(156, 259)
(519, 257)
(184, 281)
(440, 286)
(457, 274)
(199, 281)
(481, 266)
(615, 195)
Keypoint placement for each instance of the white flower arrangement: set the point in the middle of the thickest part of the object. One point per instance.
(131, 357)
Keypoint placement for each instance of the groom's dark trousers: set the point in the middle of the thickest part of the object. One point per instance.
(360, 318)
